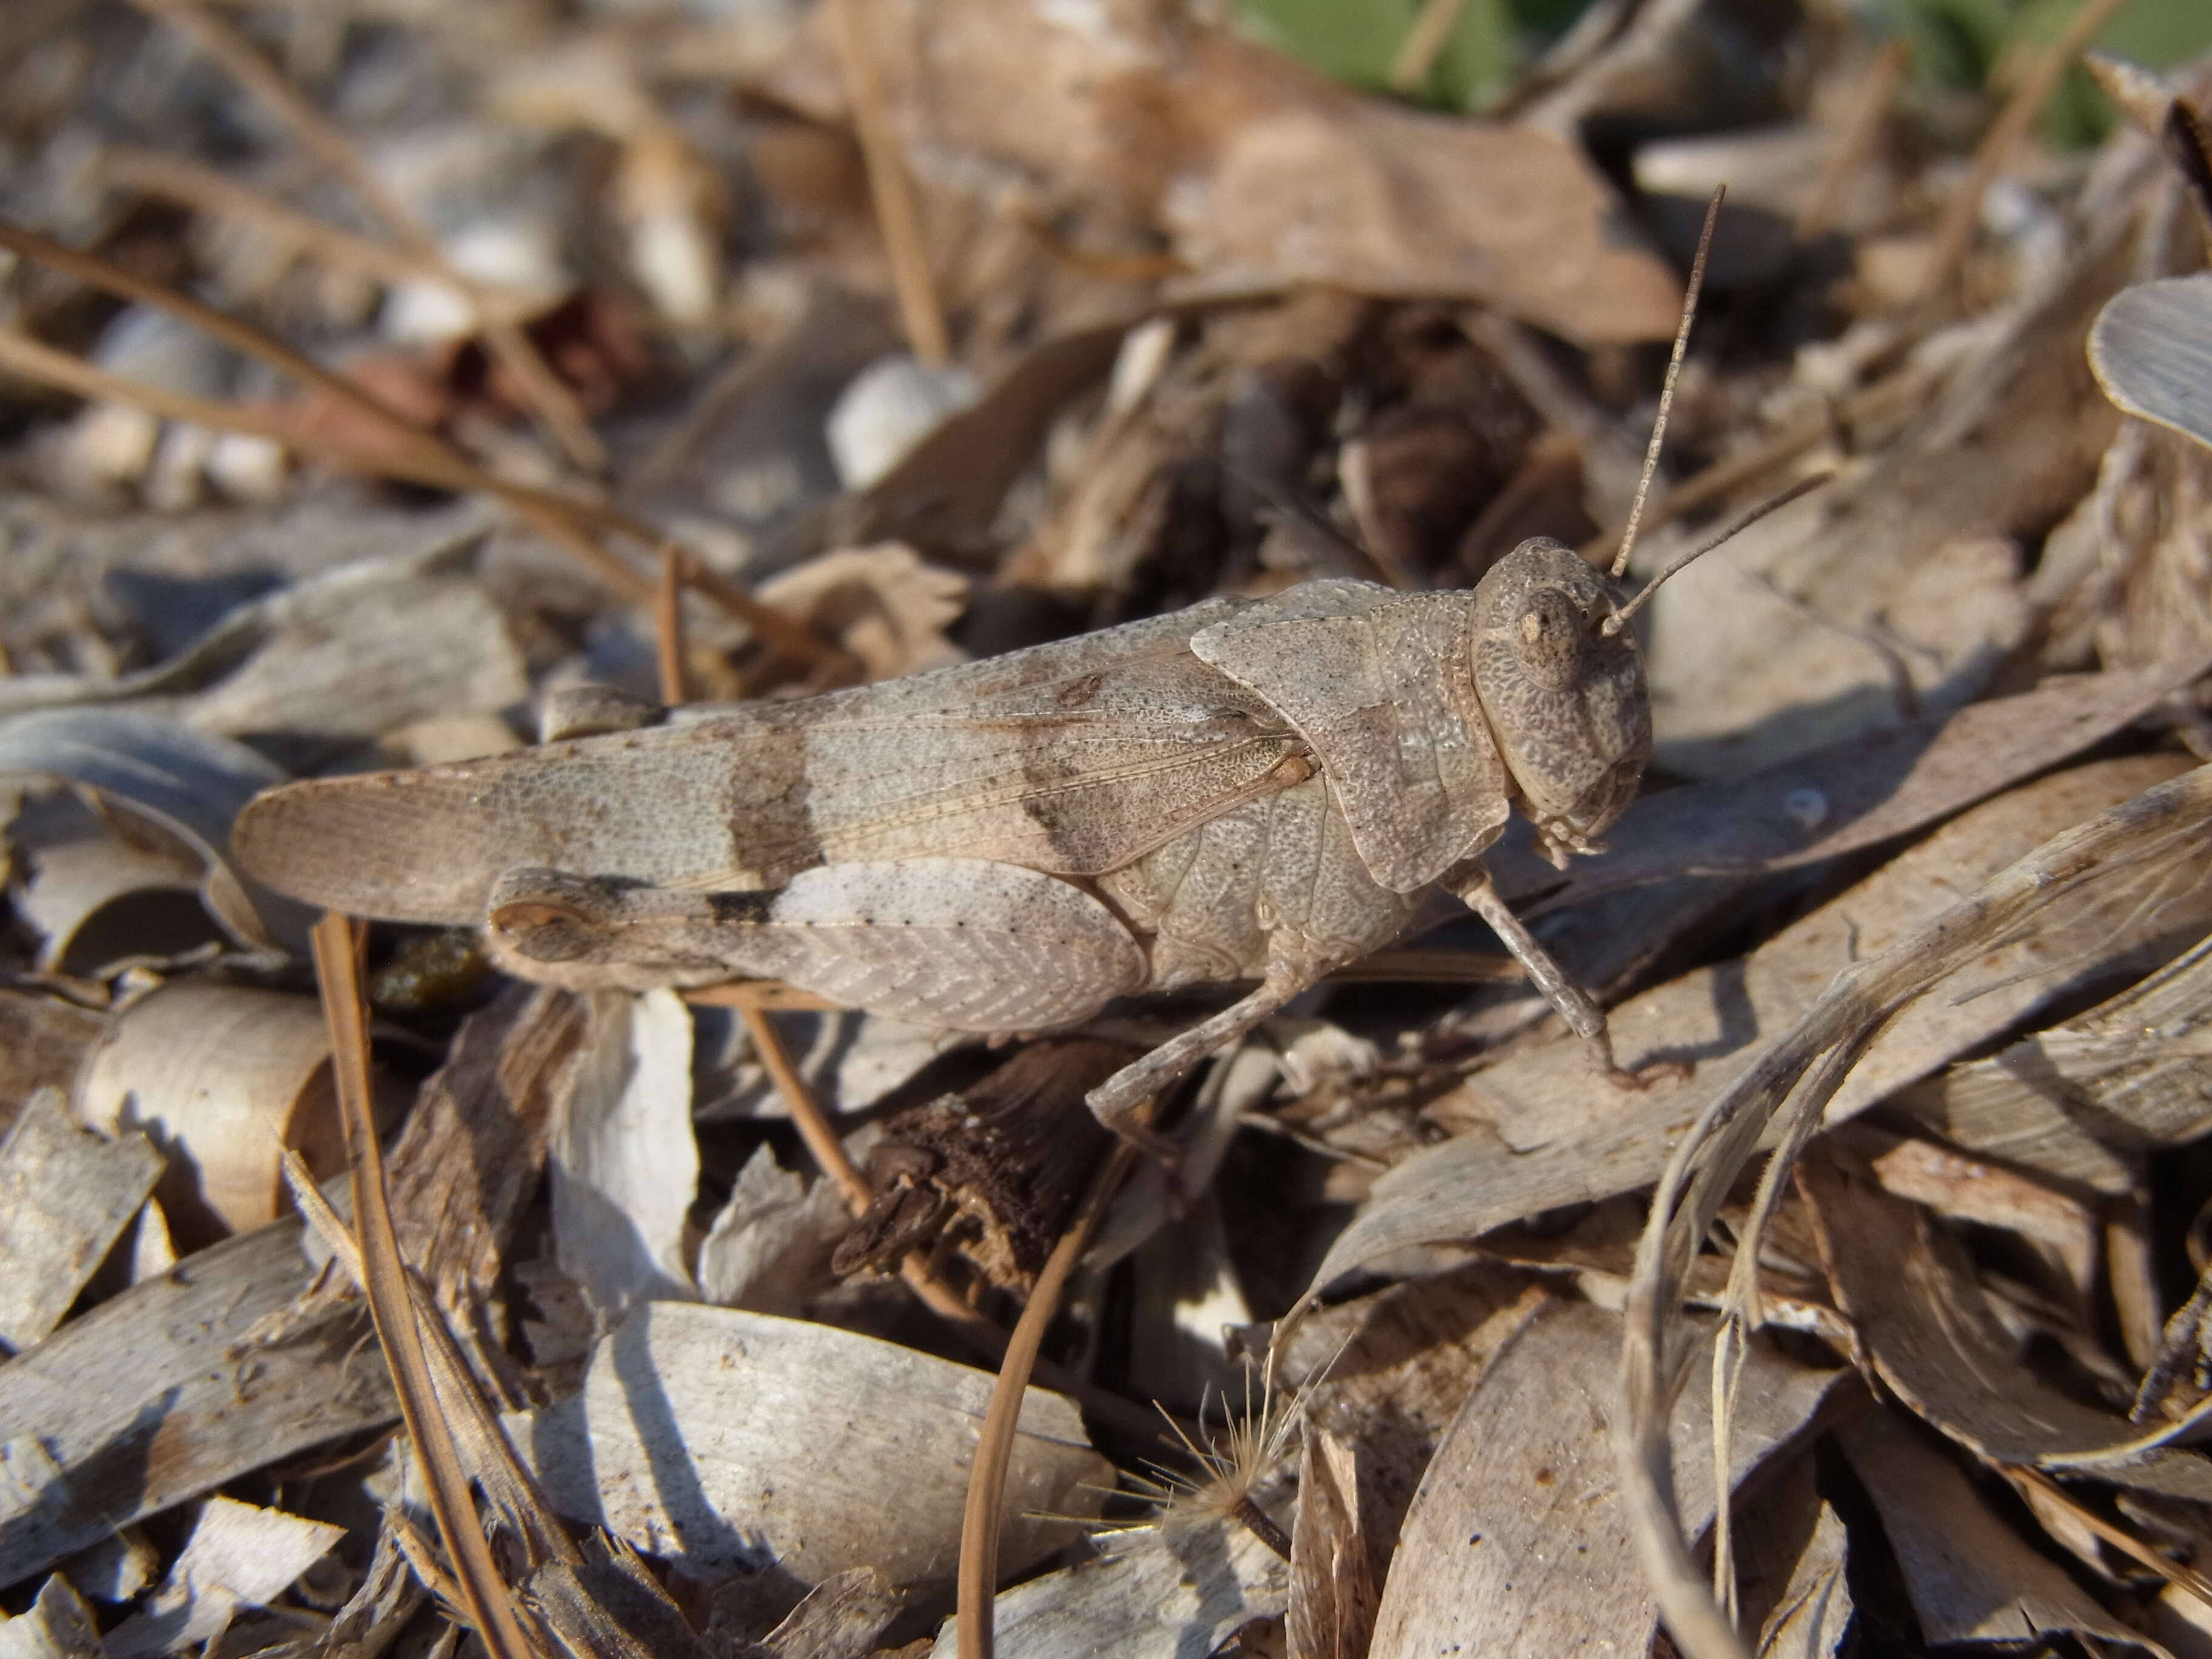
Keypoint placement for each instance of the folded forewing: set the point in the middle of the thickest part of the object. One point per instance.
(1073, 759)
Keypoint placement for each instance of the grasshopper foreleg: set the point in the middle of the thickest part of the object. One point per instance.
(1583, 1016)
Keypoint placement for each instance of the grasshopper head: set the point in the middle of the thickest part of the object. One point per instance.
(1565, 700)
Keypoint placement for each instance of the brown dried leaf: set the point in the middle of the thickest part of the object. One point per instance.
(1519, 1541)
(1924, 1326)
(1971, 1579)
(1260, 172)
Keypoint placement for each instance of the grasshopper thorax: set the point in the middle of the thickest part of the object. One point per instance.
(1565, 700)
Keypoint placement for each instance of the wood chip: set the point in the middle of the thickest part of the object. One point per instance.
(625, 1165)
(65, 1196)
(164, 1392)
(238, 1556)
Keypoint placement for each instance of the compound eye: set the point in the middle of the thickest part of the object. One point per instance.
(1549, 637)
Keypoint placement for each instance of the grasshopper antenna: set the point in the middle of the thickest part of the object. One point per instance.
(1618, 620)
(1667, 391)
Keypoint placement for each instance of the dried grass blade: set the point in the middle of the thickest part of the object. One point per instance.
(1955, 230)
(896, 211)
(391, 1304)
(994, 1441)
(1840, 1026)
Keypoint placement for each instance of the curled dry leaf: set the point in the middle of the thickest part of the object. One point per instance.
(186, 785)
(1260, 173)
(722, 1439)
(2152, 351)
(65, 1196)
(225, 1079)
(881, 604)
(2111, 864)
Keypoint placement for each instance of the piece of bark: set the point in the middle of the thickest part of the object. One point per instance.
(770, 1247)
(1520, 1541)
(468, 1162)
(1331, 1613)
(165, 1391)
(1152, 1595)
(43, 1042)
(721, 1440)
(238, 1556)
(58, 1626)
(225, 1078)
(1971, 1579)
(65, 1196)
(2130, 1076)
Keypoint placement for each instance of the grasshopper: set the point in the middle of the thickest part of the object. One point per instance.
(1246, 789)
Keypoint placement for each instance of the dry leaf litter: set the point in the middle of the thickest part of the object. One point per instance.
(390, 384)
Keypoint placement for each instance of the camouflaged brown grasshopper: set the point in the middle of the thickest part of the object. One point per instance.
(1247, 789)
(1244, 789)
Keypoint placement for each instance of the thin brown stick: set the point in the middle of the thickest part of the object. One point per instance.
(556, 409)
(1417, 53)
(1667, 389)
(668, 625)
(814, 1129)
(2119, 1537)
(896, 214)
(392, 1303)
(980, 1521)
(194, 185)
(1862, 125)
(1954, 231)
(232, 332)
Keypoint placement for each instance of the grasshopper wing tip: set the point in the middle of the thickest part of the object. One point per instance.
(324, 842)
